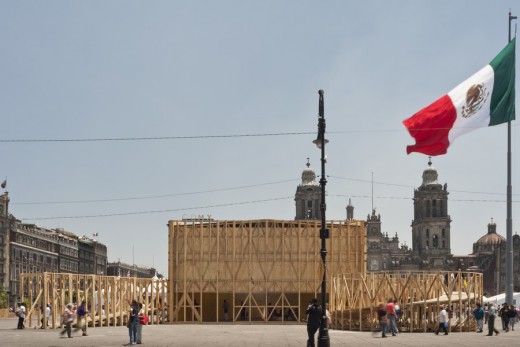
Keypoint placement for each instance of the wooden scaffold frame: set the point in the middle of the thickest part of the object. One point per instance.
(108, 297)
(355, 297)
(266, 270)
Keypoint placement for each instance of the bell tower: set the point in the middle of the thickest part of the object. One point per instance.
(308, 196)
(431, 223)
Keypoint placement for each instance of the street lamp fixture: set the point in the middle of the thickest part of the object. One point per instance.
(320, 142)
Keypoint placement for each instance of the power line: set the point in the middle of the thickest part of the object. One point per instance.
(158, 211)
(154, 196)
(168, 138)
(155, 138)
(409, 186)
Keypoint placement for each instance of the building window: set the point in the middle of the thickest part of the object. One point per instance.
(443, 232)
(427, 232)
(435, 241)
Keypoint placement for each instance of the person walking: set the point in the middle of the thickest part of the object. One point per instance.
(81, 313)
(492, 312)
(443, 321)
(513, 314)
(381, 317)
(20, 312)
(67, 319)
(504, 316)
(478, 313)
(390, 315)
(314, 316)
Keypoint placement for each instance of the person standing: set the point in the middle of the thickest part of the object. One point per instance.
(478, 313)
(142, 321)
(492, 312)
(390, 315)
(133, 321)
(67, 318)
(45, 321)
(82, 312)
(381, 317)
(20, 312)
(443, 321)
(314, 315)
(225, 307)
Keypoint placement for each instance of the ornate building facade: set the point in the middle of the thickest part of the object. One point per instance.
(430, 233)
(29, 248)
(431, 223)
(489, 257)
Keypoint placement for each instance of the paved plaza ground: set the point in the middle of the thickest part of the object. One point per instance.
(239, 335)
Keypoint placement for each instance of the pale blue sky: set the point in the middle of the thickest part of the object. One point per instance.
(123, 69)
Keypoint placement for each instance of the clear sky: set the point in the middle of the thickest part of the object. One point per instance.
(87, 70)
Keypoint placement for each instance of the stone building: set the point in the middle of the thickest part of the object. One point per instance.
(384, 253)
(489, 257)
(430, 232)
(126, 270)
(431, 223)
(308, 196)
(92, 256)
(29, 248)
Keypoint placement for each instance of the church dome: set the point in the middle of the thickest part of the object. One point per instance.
(430, 175)
(308, 176)
(491, 238)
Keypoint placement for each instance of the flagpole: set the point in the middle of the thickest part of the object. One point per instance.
(509, 221)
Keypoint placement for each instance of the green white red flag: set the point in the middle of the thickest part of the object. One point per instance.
(487, 98)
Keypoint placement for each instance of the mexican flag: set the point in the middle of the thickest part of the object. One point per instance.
(487, 98)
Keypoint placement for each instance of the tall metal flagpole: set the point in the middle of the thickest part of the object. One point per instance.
(509, 221)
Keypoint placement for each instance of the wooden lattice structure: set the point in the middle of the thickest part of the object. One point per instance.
(107, 297)
(265, 269)
(355, 297)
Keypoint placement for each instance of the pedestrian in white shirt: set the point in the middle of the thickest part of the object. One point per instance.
(443, 321)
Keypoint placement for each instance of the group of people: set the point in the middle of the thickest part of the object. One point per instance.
(137, 317)
(507, 313)
(388, 315)
(71, 312)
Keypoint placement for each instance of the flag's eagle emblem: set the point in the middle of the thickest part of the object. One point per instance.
(476, 96)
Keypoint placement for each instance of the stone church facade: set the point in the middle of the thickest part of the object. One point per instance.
(431, 235)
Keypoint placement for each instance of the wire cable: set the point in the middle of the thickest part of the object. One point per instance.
(154, 196)
(159, 211)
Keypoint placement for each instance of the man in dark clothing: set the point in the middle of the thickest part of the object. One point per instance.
(381, 316)
(492, 312)
(314, 314)
(81, 313)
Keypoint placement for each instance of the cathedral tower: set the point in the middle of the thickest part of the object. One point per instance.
(431, 223)
(308, 196)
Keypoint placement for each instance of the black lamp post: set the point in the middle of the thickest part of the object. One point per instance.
(323, 336)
